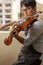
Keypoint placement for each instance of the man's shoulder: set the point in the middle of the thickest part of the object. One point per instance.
(38, 23)
(37, 27)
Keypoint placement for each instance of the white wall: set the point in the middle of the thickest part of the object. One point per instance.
(16, 9)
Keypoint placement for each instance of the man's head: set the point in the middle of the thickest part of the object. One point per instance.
(28, 7)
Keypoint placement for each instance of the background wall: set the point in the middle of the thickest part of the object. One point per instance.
(40, 8)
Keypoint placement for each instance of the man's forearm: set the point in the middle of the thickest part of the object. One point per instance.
(10, 23)
(6, 24)
(20, 39)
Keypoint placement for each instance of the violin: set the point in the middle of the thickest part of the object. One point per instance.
(18, 27)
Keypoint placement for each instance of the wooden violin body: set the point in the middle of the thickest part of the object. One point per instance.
(18, 28)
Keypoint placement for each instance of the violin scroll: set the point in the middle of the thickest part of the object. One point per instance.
(7, 41)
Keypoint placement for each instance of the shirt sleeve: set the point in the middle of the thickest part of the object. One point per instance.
(19, 21)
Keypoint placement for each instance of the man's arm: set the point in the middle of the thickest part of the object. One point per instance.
(8, 40)
(20, 39)
(7, 24)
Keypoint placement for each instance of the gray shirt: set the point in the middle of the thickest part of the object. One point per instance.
(34, 36)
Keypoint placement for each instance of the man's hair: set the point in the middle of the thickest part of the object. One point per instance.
(27, 3)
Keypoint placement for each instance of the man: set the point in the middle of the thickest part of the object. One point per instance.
(33, 42)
